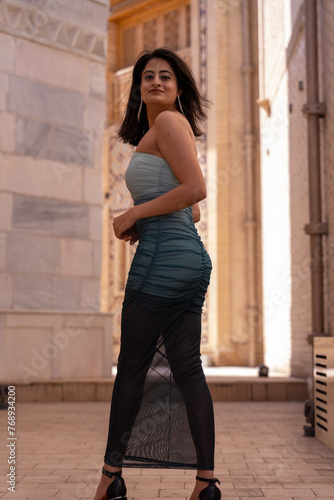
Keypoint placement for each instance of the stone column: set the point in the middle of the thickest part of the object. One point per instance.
(220, 65)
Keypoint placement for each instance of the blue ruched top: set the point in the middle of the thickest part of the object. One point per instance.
(170, 262)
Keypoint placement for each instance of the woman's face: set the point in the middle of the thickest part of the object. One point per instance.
(158, 84)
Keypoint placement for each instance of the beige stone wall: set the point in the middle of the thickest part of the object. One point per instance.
(285, 184)
(52, 114)
(326, 22)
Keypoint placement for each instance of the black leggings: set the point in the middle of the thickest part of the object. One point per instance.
(144, 322)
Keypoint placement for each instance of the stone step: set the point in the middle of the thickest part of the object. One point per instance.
(222, 388)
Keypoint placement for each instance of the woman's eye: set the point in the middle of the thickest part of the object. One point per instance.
(165, 77)
(147, 77)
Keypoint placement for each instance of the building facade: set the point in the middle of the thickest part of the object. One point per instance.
(65, 69)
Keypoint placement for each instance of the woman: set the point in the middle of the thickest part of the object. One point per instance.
(161, 411)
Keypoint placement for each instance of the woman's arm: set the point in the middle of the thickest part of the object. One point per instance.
(176, 145)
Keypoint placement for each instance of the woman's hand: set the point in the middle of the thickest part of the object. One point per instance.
(123, 223)
(131, 235)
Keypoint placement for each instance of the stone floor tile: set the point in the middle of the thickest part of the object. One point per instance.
(320, 486)
(42, 495)
(47, 465)
(237, 479)
(74, 472)
(319, 460)
(288, 493)
(239, 471)
(289, 486)
(304, 465)
(64, 486)
(69, 495)
(156, 472)
(165, 481)
(27, 486)
(222, 458)
(313, 479)
(285, 470)
(148, 492)
(297, 498)
(156, 480)
(245, 493)
(325, 472)
(324, 493)
(161, 495)
(17, 496)
(42, 479)
(257, 470)
(171, 493)
(27, 471)
(327, 453)
(266, 480)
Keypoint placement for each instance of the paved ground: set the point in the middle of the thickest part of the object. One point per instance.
(261, 452)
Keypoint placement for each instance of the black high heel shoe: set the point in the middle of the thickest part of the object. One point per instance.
(211, 492)
(116, 489)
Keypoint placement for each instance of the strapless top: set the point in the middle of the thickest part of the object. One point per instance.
(148, 177)
(170, 260)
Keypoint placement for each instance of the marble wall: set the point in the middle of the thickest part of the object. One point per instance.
(52, 114)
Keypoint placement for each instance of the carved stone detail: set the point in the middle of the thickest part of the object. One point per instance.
(74, 26)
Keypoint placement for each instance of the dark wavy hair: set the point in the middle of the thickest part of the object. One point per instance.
(131, 129)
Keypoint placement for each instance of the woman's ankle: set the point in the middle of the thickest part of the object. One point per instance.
(206, 474)
(111, 468)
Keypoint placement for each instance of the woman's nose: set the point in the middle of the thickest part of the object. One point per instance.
(156, 80)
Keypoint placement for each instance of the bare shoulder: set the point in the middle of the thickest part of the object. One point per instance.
(169, 120)
(174, 129)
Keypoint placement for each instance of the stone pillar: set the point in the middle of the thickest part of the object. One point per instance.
(230, 327)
